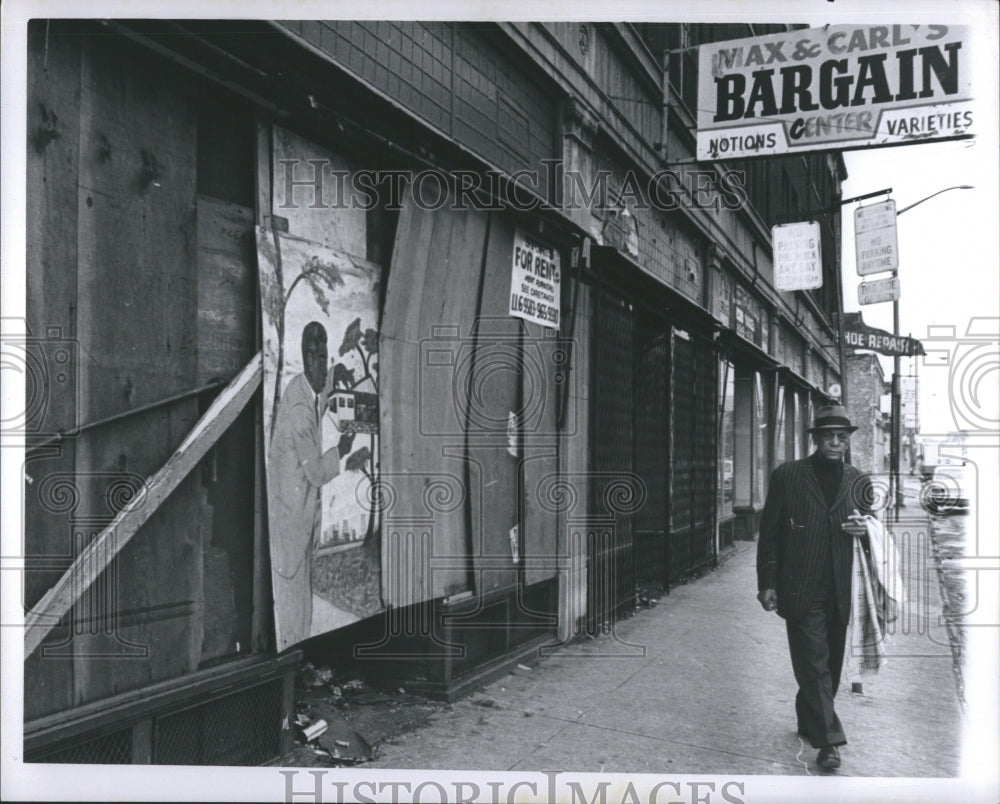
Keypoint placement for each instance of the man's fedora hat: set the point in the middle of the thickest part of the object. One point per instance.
(832, 417)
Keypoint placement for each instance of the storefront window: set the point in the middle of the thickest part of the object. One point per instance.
(743, 424)
(760, 434)
(792, 419)
(780, 442)
(753, 416)
(727, 438)
(806, 411)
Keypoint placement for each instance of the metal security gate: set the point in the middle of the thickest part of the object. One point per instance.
(652, 452)
(693, 454)
(610, 557)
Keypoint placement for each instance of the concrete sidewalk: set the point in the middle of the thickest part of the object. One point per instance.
(702, 684)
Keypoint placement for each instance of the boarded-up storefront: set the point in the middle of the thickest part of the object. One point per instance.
(142, 263)
(471, 396)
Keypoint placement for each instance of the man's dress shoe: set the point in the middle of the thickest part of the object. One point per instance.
(828, 757)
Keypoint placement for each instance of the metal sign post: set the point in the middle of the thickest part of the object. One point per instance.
(876, 249)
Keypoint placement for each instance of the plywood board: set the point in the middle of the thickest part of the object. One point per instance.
(325, 568)
(52, 393)
(494, 394)
(311, 189)
(137, 325)
(227, 288)
(425, 341)
(544, 359)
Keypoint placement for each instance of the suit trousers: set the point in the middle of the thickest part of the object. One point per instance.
(293, 600)
(816, 644)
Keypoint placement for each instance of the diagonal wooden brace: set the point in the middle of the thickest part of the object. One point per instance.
(45, 615)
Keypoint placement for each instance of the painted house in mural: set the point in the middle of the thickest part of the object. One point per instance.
(355, 411)
(554, 437)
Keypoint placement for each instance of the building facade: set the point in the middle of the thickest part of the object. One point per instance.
(865, 380)
(536, 474)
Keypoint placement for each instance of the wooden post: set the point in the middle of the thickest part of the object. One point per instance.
(262, 609)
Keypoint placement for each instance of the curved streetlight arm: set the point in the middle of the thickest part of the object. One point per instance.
(894, 449)
(928, 198)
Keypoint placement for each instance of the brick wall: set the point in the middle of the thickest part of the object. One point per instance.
(455, 79)
(864, 383)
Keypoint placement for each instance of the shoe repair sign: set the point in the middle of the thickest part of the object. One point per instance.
(839, 87)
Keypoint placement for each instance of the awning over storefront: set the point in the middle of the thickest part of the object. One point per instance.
(620, 271)
(752, 354)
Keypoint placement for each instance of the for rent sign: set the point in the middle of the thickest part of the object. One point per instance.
(534, 281)
(838, 87)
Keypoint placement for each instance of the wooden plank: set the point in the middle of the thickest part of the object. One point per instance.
(306, 189)
(407, 458)
(262, 179)
(164, 696)
(440, 253)
(448, 307)
(227, 330)
(540, 449)
(262, 629)
(197, 634)
(494, 395)
(96, 557)
(52, 163)
(574, 463)
(401, 318)
(137, 324)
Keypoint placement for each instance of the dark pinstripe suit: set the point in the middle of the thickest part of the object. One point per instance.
(804, 555)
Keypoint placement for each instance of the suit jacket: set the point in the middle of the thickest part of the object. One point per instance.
(798, 531)
(297, 468)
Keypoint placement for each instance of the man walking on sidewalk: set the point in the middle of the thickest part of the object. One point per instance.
(804, 553)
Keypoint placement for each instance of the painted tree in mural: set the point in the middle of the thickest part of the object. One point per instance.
(319, 275)
(365, 344)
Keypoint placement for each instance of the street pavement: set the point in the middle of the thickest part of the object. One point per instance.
(702, 684)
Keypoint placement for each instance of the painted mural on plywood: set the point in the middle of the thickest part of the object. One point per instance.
(320, 332)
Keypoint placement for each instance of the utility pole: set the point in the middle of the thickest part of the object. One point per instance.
(896, 407)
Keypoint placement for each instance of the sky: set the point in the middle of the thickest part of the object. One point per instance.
(948, 266)
(949, 250)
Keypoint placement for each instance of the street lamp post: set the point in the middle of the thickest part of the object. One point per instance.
(896, 406)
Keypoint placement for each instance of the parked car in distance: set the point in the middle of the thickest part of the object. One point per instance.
(947, 492)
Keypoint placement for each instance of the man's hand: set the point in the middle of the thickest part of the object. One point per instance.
(345, 444)
(768, 599)
(855, 524)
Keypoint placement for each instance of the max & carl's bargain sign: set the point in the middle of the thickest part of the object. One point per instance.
(832, 88)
